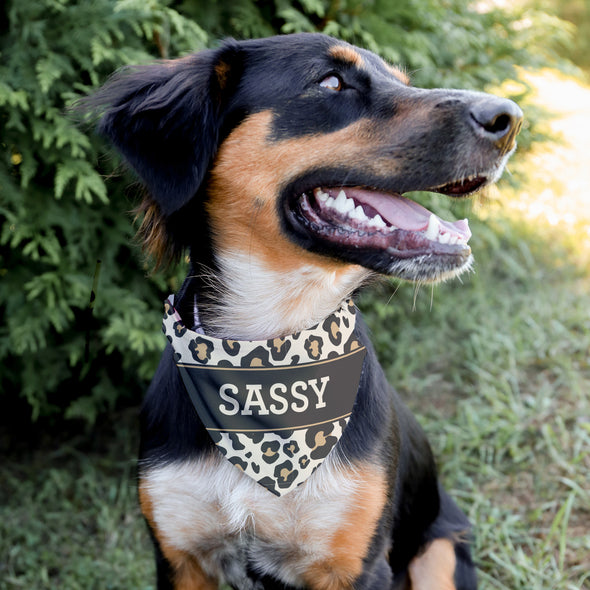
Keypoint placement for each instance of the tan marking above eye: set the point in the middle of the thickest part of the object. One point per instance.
(347, 54)
(332, 82)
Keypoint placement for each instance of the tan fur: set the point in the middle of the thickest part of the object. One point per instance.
(350, 542)
(222, 69)
(242, 205)
(435, 568)
(152, 233)
(188, 574)
(399, 74)
(347, 54)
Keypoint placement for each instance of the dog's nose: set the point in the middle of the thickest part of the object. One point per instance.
(497, 119)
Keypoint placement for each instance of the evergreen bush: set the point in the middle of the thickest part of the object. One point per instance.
(62, 218)
(63, 198)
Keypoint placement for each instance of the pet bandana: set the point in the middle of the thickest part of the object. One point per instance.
(275, 408)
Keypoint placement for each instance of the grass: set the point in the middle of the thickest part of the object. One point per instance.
(496, 367)
(69, 515)
(498, 370)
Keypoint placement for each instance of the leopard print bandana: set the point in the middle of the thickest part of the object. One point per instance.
(275, 408)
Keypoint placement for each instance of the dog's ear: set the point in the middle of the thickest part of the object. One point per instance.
(165, 120)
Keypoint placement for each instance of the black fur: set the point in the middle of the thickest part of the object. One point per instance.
(174, 104)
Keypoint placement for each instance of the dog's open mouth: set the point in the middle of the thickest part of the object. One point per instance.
(368, 219)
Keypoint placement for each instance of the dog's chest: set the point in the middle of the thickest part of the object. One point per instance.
(210, 510)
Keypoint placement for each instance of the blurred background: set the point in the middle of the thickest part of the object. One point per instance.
(497, 365)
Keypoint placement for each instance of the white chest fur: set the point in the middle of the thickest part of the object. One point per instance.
(210, 510)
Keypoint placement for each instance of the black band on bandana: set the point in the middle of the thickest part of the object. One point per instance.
(275, 408)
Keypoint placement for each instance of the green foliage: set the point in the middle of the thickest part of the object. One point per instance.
(70, 519)
(63, 206)
(455, 43)
(58, 213)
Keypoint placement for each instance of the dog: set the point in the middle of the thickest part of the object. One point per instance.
(280, 165)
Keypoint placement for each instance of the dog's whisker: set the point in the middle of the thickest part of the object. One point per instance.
(393, 293)
(417, 286)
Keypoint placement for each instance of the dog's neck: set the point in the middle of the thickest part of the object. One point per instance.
(245, 300)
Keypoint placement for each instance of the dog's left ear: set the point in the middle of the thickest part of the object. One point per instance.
(165, 119)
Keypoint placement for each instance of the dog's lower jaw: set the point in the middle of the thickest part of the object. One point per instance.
(291, 301)
(420, 270)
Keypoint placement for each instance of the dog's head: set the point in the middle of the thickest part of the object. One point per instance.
(297, 150)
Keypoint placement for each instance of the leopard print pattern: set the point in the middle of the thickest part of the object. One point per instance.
(333, 337)
(281, 459)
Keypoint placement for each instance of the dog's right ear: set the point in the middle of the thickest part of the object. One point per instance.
(165, 120)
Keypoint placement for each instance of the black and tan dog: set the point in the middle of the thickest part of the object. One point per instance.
(279, 164)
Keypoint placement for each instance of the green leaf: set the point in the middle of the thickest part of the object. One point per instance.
(10, 97)
(89, 184)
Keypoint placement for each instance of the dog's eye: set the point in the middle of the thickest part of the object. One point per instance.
(332, 82)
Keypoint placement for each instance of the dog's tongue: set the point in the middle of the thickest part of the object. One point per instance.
(406, 214)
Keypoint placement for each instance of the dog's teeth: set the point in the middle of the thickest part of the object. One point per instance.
(340, 200)
(321, 195)
(433, 228)
(377, 221)
(348, 205)
(359, 214)
(330, 202)
(342, 203)
(444, 238)
(453, 240)
(353, 214)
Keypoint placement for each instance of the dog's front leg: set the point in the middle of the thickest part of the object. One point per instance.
(176, 569)
(186, 573)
